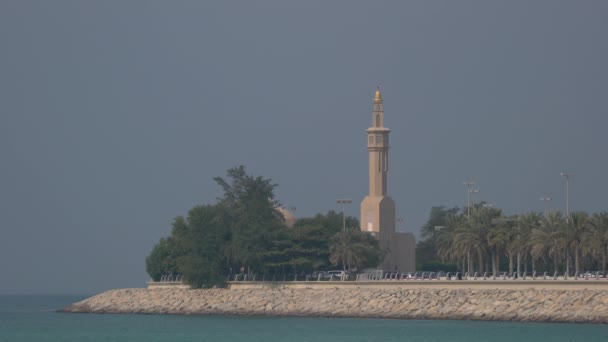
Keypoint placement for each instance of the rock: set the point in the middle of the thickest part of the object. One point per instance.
(580, 305)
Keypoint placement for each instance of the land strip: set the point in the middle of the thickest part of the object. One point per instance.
(525, 302)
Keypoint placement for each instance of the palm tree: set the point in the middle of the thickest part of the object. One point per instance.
(354, 248)
(341, 248)
(575, 231)
(472, 237)
(498, 237)
(446, 250)
(527, 224)
(596, 237)
(463, 243)
(547, 239)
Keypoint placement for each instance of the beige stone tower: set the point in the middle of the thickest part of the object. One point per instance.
(378, 208)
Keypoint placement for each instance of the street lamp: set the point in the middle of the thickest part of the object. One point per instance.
(567, 175)
(468, 184)
(344, 202)
(546, 200)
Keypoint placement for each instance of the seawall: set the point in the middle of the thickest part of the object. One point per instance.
(581, 303)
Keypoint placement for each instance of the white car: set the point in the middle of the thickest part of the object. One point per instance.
(338, 275)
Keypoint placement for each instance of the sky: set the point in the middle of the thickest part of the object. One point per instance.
(116, 115)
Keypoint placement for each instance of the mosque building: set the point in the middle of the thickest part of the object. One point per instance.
(378, 208)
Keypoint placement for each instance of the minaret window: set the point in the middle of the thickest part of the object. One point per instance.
(378, 139)
(371, 140)
(377, 120)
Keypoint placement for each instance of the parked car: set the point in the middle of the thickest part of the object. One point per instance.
(320, 275)
(341, 275)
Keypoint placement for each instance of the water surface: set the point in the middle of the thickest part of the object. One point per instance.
(32, 318)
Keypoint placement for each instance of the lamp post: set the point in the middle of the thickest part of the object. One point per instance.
(344, 202)
(567, 175)
(468, 184)
(546, 200)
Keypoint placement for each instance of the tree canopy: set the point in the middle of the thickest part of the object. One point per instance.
(488, 241)
(244, 231)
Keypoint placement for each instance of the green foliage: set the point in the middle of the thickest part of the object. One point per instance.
(252, 220)
(244, 230)
(161, 260)
(201, 240)
(427, 249)
(530, 242)
(354, 249)
(437, 218)
(435, 266)
(331, 222)
(309, 247)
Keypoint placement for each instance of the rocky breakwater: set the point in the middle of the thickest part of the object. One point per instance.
(530, 305)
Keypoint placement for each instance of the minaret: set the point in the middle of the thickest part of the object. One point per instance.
(377, 146)
(377, 208)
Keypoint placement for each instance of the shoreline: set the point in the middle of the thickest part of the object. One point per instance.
(580, 305)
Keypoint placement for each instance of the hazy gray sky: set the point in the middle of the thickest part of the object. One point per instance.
(115, 115)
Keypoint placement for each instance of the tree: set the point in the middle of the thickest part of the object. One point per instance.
(202, 240)
(252, 219)
(310, 247)
(331, 222)
(547, 240)
(445, 239)
(597, 237)
(161, 261)
(575, 230)
(437, 218)
(437, 227)
(240, 230)
(473, 237)
(527, 223)
(352, 248)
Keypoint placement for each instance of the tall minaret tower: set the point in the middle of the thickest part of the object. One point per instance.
(377, 208)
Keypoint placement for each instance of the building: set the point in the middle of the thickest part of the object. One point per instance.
(378, 208)
(288, 217)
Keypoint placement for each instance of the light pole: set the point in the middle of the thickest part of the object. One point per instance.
(344, 202)
(468, 184)
(546, 200)
(567, 175)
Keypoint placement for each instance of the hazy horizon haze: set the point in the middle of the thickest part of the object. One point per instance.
(115, 116)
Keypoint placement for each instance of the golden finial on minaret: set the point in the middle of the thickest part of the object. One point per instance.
(378, 97)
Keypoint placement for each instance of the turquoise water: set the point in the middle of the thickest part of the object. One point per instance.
(31, 318)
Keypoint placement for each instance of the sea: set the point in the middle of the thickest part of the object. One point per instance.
(34, 318)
